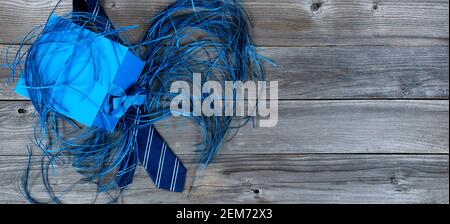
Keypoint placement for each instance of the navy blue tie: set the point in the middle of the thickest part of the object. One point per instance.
(163, 167)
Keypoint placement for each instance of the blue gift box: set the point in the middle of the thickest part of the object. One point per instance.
(90, 75)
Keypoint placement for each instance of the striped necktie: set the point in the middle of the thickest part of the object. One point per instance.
(163, 167)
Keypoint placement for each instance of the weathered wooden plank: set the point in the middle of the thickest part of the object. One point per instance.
(341, 126)
(359, 72)
(278, 23)
(267, 179)
(336, 72)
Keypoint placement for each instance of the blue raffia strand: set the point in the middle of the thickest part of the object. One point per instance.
(94, 152)
(222, 51)
(210, 37)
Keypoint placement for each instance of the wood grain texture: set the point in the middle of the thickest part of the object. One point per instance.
(303, 127)
(277, 22)
(359, 72)
(364, 115)
(267, 179)
(363, 72)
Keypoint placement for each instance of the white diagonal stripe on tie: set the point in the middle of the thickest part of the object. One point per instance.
(146, 149)
(161, 164)
(173, 174)
(150, 147)
(176, 175)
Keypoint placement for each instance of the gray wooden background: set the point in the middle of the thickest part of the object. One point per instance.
(363, 117)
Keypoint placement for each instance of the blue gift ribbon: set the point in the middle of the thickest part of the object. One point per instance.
(119, 102)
